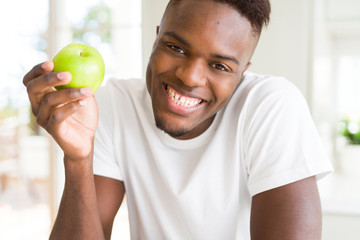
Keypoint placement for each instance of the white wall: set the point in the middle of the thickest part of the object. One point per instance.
(151, 17)
(338, 227)
(285, 47)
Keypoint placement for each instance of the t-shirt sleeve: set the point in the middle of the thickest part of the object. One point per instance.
(105, 162)
(281, 143)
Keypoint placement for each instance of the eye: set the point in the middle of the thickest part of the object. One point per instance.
(176, 49)
(220, 67)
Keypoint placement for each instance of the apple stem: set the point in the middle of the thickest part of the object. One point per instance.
(81, 54)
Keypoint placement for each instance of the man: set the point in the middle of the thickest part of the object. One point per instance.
(203, 150)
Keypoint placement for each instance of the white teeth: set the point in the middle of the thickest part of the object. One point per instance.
(181, 100)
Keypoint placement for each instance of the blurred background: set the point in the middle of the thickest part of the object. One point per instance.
(313, 43)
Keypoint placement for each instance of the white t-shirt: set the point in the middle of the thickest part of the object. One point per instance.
(202, 188)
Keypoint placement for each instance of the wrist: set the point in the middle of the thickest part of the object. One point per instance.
(78, 165)
(80, 150)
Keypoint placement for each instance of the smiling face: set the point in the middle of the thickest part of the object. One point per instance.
(200, 54)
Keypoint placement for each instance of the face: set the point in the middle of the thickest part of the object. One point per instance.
(200, 54)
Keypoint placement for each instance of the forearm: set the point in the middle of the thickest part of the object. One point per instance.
(70, 116)
(78, 216)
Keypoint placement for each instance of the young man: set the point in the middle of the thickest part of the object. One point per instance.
(203, 150)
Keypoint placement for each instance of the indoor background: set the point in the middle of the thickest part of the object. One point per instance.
(313, 43)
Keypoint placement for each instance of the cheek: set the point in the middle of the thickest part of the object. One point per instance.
(158, 66)
(223, 91)
(152, 70)
(162, 62)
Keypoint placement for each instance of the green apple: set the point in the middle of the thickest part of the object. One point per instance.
(83, 62)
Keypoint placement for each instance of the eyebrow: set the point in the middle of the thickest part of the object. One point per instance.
(227, 58)
(178, 38)
(186, 43)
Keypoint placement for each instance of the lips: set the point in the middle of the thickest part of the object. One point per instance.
(181, 100)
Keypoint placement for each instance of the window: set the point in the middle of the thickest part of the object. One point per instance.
(23, 155)
(114, 28)
(31, 177)
(348, 77)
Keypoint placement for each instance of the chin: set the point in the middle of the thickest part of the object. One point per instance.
(171, 130)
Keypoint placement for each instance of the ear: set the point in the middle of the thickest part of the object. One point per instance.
(157, 30)
(246, 67)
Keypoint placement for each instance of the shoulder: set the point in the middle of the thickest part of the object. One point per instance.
(255, 85)
(118, 96)
(257, 91)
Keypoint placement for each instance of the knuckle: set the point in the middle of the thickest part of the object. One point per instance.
(72, 93)
(39, 121)
(56, 116)
(48, 77)
(73, 107)
(35, 68)
(25, 80)
(30, 88)
(35, 71)
(46, 100)
(34, 110)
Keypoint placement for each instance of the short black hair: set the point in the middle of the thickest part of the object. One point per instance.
(257, 12)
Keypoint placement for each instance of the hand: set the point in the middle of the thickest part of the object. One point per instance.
(69, 115)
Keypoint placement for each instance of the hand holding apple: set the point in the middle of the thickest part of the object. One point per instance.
(70, 116)
(85, 64)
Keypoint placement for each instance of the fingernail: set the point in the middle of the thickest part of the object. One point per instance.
(86, 91)
(46, 65)
(63, 75)
(82, 102)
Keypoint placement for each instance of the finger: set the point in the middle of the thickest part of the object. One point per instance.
(38, 70)
(38, 87)
(47, 81)
(62, 113)
(42, 85)
(59, 99)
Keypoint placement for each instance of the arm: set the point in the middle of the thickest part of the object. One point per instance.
(289, 212)
(70, 116)
(78, 216)
(88, 206)
(110, 193)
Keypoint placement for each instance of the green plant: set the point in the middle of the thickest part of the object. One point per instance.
(351, 131)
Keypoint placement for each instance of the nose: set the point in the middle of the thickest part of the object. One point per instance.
(192, 73)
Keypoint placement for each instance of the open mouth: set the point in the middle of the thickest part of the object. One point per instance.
(182, 100)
